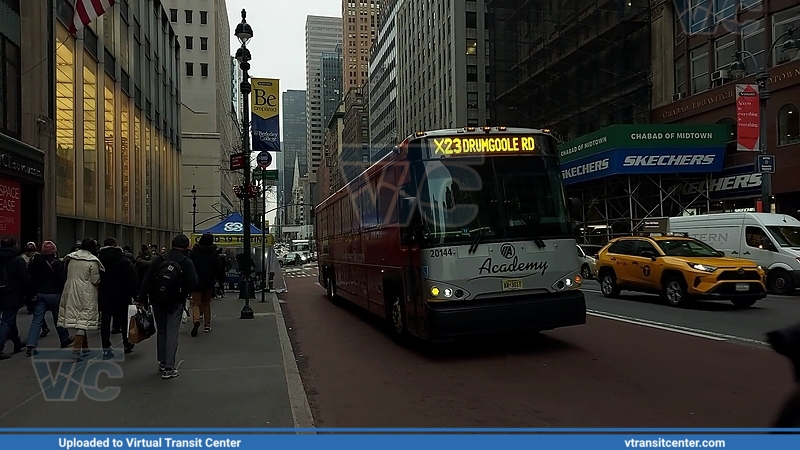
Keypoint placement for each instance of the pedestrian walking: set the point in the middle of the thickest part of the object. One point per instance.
(210, 270)
(143, 262)
(79, 309)
(14, 286)
(118, 287)
(127, 251)
(226, 265)
(169, 281)
(31, 251)
(48, 277)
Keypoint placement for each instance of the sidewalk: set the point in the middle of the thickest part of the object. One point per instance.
(242, 374)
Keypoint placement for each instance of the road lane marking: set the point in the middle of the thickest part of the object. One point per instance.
(675, 328)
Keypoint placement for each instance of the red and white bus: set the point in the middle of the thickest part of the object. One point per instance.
(456, 232)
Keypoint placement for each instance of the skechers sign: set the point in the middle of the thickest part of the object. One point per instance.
(643, 161)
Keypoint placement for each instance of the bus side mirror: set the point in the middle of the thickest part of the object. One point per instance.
(575, 209)
(576, 229)
(721, 253)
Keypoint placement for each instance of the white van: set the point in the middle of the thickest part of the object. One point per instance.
(771, 240)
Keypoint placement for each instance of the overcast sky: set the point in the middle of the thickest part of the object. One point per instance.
(278, 46)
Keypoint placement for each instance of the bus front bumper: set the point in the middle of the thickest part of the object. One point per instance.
(535, 312)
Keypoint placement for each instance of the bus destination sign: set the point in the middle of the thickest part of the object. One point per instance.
(456, 146)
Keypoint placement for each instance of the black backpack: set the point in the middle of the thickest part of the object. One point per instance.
(167, 283)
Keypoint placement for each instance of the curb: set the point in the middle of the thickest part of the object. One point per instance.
(301, 410)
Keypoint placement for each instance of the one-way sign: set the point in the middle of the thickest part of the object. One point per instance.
(765, 163)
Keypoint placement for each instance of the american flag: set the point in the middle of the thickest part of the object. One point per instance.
(86, 11)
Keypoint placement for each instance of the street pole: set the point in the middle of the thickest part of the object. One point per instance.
(244, 33)
(763, 94)
(264, 267)
(194, 210)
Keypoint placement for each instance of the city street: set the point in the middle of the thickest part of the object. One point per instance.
(698, 367)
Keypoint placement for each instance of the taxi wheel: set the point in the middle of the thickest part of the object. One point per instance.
(586, 272)
(675, 292)
(608, 285)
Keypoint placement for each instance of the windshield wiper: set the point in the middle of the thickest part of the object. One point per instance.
(475, 242)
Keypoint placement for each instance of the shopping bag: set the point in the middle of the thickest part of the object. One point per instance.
(132, 309)
(185, 316)
(143, 326)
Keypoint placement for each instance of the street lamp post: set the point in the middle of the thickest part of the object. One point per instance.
(738, 69)
(244, 33)
(194, 209)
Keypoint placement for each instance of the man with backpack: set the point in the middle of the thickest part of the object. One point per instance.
(209, 271)
(169, 281)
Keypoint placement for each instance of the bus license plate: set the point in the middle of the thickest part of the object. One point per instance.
(512, 285)
(742, 287)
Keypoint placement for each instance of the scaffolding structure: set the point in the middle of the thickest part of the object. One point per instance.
(573, 66)
(616, 206)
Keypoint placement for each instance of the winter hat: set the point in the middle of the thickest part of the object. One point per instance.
(49, 248)
(206, 239)
(180, 241)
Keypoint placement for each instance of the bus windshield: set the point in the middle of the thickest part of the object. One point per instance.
(496, 197)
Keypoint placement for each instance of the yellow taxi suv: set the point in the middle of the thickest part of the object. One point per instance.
(680, 269)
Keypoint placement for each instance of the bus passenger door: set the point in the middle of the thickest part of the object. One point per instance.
(411, 239)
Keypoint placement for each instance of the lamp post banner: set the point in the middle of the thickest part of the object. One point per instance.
(266, 117)
(748, 127)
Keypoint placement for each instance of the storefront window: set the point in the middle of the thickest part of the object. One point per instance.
(110, 141)
(781, 22)
(137, 168)
(125, 153)
(90, 136)
(148, 174)
(788, 125)
(65, 122)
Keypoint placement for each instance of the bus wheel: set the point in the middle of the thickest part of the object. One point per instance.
(330, 289)
(396, 317)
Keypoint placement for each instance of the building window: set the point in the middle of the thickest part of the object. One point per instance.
(681, 22)
(699, 15)
(189, 42)
(65, 122)
(472, 19)
(725, 51)
(189, 14)
(204, 69)
(472, 73)
(203, 43)
(780, 24)
(472, 100)
(724, 10)
(173, 15)
(788, 124)
(203, 17)
(472, 47)
(749, 3)
(680, 75)
(753, 42)
(700, 77)
(189, 69)
(10, 98)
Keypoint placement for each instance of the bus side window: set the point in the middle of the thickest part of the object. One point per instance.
(388, 197)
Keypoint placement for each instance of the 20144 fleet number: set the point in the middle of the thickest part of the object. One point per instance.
(441, 252)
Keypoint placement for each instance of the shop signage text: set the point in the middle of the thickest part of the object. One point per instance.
(15, 164)
(644, 161)
(748, 112)
(643, 137)
(731, 183)
(10, 212)
(680, 109)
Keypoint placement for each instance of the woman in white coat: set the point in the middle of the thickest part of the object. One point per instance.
(79, 309)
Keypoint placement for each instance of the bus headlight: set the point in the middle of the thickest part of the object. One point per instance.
(568, 283)
(435, 291)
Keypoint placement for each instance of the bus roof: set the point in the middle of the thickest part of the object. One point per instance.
(401, 150)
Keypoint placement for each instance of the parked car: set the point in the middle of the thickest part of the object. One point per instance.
(587, 255)
(290, 259)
